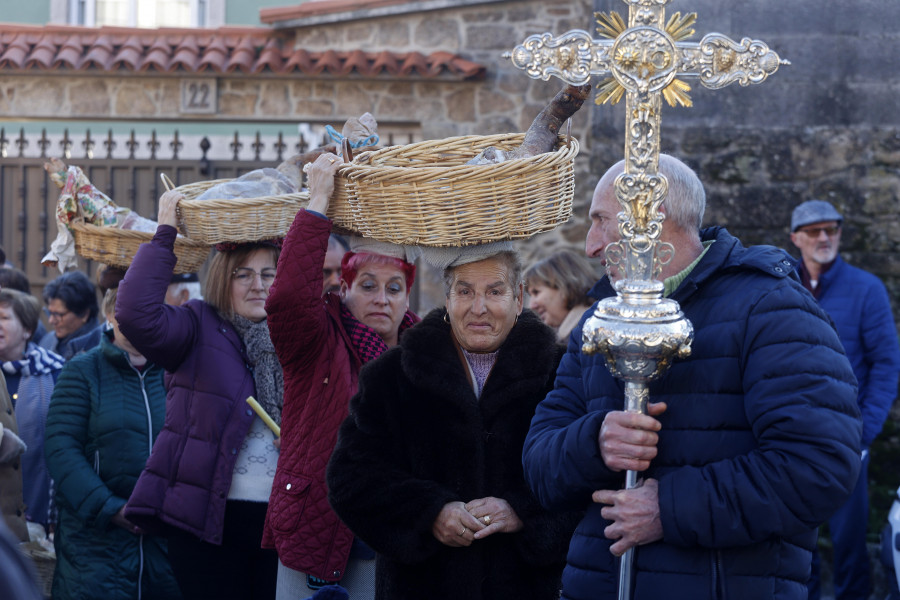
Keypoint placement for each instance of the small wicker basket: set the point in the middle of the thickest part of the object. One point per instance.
(238, 219)
(425, 194)
(117, 247)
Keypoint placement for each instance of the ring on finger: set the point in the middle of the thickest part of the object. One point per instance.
(463, 532)
(486, 519)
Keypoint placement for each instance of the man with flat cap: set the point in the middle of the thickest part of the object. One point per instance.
(858, 304)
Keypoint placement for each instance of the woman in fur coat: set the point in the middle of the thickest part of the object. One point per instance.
(428, 468)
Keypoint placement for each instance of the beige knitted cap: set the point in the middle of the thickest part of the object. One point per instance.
(441, 258)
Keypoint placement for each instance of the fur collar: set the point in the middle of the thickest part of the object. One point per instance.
(431, 362)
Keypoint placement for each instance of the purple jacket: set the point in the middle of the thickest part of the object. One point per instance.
(186, 480)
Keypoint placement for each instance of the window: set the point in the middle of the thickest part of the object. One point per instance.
(140, 13)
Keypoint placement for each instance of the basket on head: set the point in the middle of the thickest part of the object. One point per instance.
(117, 247)
(425, 193)
(235, 219)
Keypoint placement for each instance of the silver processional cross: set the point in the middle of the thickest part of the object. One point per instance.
(639, 332)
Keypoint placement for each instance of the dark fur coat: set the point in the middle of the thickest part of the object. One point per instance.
(418, 438)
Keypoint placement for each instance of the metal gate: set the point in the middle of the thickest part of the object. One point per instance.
(28, 198)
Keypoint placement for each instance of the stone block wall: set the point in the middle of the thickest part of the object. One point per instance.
(826, 126)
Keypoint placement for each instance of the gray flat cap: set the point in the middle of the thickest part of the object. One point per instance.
(814, 211)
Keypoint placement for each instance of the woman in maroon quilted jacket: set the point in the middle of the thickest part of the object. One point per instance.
(208, 479)
(322, 343)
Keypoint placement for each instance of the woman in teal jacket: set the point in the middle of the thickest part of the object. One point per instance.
(106, 410)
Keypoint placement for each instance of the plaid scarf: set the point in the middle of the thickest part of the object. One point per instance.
(267, 373)
(367, 343)
(37, 361)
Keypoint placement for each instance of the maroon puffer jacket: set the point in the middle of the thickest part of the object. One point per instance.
(320, 375)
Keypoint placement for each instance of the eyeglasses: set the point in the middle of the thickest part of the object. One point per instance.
(815, 232)
(245, 276)
(55, 315)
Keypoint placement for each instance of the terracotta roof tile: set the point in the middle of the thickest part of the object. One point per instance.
(15, 53)
(248, 50)
(70, 54)
(130, 55)
(299, 60)
(99, 55)
(186, 55)
(158, 56)
(242, 57)
(215, 55)
(42, 54)
(270, 58)
(386, 61)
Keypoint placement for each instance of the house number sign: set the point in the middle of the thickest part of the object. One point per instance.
(198, 96)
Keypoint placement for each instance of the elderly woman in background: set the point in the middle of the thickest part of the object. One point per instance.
(72, 313)
(31, 373)
(428, 466)
(107, 409)
(558, 288)
(210, 474)
(322, 343)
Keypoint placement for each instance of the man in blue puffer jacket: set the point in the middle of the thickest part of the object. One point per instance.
(749, 444)
(858, 304)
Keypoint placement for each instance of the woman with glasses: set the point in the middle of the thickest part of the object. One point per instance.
(208, 478)
(72, 313)
(31, 373)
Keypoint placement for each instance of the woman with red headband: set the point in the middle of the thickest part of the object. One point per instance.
(322, 342)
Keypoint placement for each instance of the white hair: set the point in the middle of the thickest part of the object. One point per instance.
(192, 287)
(685, 202)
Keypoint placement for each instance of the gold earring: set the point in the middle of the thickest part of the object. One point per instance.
(446, 317)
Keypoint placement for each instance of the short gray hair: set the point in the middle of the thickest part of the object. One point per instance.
(513, 267)
(685, 202)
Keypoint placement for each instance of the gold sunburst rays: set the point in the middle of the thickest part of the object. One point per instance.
(611, 24)
(679, 27)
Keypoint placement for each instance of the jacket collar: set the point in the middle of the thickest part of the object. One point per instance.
(431, 362)
(115, 355)
(831, 274)
(726, 253)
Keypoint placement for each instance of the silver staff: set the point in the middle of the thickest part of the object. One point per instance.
(639, 332)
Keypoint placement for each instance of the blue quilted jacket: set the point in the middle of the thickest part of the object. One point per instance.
(759, 445)
(858, 303)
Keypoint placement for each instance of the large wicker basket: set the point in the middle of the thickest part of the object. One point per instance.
(238, 219)
(425, 194)
(117, 247)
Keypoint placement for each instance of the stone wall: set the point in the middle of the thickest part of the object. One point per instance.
(823, 127)
(826, 126)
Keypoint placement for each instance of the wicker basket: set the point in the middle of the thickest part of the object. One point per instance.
(235, 220)
(117, 247)
(425, 194)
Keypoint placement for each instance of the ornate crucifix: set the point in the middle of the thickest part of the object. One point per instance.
(639, 332)
(646, 62)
